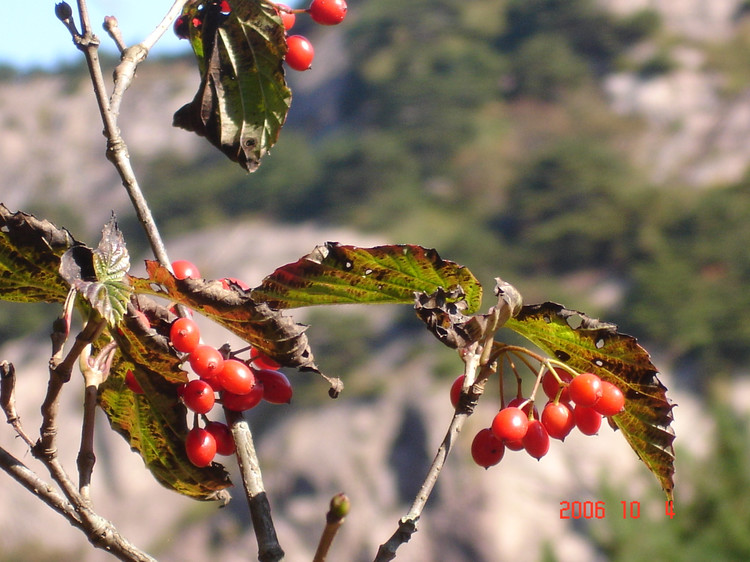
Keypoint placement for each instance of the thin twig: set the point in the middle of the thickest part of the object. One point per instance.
(8, 400)
(269, 549)
(479, 363)
(94, 373)
(103, 535)
(337, 512)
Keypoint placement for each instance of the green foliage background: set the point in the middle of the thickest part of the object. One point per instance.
(480, 128)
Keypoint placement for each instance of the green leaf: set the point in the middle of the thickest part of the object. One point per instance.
(589, 345)
(100, 276)
(243, 99)
(30, 252)
(155, 423)
(336, 274)
(276, 335)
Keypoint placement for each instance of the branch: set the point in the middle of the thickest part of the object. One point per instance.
(102, 535)
(8, 400)
(269, 549)
(479, 363)
(117, 151)
(337, 512)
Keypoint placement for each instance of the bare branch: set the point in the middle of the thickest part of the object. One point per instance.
(269, 549)
(102, 535)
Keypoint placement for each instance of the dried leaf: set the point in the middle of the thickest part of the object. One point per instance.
(272, 333)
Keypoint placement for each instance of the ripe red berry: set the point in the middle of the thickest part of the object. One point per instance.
(300, 52)
(198, 396)
(588, 420)
(514, 445)
(486, 449)
(510, 424)
(184, 334)
(518, 400)
(227, 283)
(558, 420)
(276, 387)
(200, 446)
(455, 393)
(536, 440)
(236, 377)
(184, 269)
(181, 27)
(206, 361)
(551, 386)
(585, 389)
(242, 402)
(223, 436)
(327, 12)
(261, 360)
(132, 383)
(288, 18)
(612, 401)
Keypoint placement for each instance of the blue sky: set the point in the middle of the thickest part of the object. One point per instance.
(34, 37)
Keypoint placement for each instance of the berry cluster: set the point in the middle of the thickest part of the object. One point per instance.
(240, 384)
(300, 52)
(574, 400)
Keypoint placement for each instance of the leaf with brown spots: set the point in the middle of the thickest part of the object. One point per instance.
(337, 274)
(30, 252)
(588, 345)
(274, 334)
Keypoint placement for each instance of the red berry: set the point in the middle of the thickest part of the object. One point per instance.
(200, 446)
(223, 436)
(510, 424)
(276, 387)
(300, 52)
(184, 334)
(288, 19)
(242, 402)
(198, 396)
(184, 269)
(536, 440)
(236, 377)
(486, 449)
(261, 360)
(551, 386)
(514, 445)
(558, 420)
(206, 361)
(518, 400)
(227, 283)
(612, 401)
(585, 389)
(455, 393)
(132, 383)
(588, 420)
(181, 28)
(327, 12)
